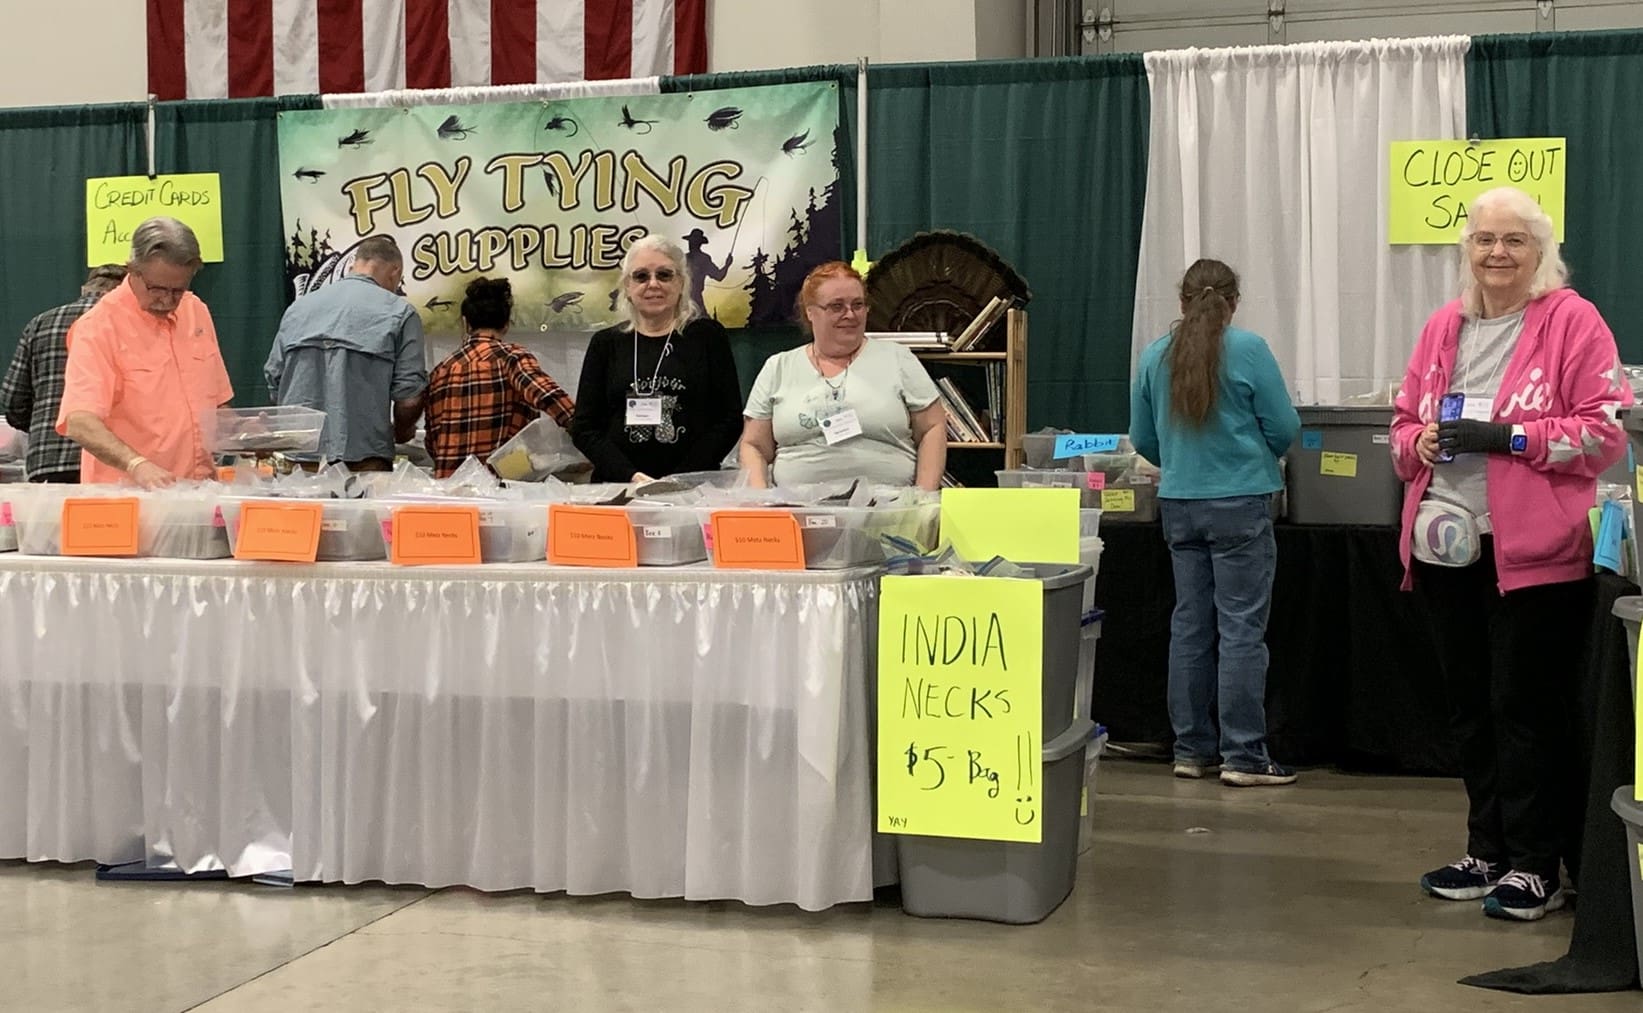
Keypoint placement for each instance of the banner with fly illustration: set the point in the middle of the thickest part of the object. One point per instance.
(551, 194)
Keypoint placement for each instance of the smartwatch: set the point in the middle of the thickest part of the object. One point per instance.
(1520, 440)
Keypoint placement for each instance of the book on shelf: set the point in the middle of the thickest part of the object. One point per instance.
(995, 400)
(958, 406)
(971, 337)
(918, 341)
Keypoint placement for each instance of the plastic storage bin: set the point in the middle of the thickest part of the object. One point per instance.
(1630, 612)
(535, 452)
(182, 526)
(1089, 484)
(1063, 632)
(1625, 804)
(350, 531)
(667, 535)
(1340, 469)
(1631, 419)
(1084, 685)
(1003, 881)
(510, 531)
(265, 430)
(1039, 450)
(1086, 804)
(1131, 500)
(836, 537)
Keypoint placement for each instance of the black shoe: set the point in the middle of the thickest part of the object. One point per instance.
(1271, 774)
(1524, 897)
(1468, 879)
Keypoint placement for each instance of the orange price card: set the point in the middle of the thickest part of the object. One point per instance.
(100, 527)
(281, 532)
(757, 540)
(591, 536)
(435, 535)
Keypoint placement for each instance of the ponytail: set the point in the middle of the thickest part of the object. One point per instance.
(1208, 292)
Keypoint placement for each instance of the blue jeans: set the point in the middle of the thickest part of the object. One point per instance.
(1224, 555)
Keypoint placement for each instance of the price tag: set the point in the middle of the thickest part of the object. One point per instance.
(1073, 444)
(5, 515)
(279, 532)
(756, 540)
(961, 708)
(435, 535)
(225, 475)
(1118, 501)
(820, 521)
(1096, 479)
(100, 527)
(644, 411)
(591, 536)
(1339, 465)
(1048, 480)
(840, 426)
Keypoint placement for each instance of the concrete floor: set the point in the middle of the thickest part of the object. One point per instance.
(1298, 899)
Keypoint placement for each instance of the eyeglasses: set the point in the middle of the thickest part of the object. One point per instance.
(839, 308)
(174, 293)
(1514, 240)
(662, 274)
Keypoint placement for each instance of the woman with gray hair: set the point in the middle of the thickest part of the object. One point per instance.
(659, 392)
(1505, 419)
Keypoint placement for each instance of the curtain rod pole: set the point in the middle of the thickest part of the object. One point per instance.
(150, 132)
(861, 153)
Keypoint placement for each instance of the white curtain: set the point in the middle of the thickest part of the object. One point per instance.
(1274, 159)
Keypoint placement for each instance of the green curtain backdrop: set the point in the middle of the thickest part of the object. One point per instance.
(247, 293)
(46, 155)
(1045, 161)
(1584, 86)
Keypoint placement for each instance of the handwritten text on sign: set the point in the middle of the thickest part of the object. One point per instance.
(1432, 183)
(1070, 444)
(116, 205)
(961, 708)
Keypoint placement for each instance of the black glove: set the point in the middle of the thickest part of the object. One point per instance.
(1469, 436)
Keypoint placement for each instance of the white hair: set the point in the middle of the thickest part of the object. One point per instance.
(1550, 275)
(167, 239)
(686, 310)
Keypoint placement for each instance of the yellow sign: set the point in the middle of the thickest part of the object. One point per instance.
(1118, 501)
(1341, 465)
(116, 205)
(961, 708)
(1024, 525)
(1637, 725)
(1432, 183)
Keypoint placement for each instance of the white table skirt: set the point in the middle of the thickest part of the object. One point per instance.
(668, 733)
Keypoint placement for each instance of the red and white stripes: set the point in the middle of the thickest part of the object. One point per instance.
(246, 48)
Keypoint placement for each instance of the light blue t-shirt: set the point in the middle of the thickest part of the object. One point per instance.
(1235, 452)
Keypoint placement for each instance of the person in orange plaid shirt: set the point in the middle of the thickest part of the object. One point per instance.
(488, 389)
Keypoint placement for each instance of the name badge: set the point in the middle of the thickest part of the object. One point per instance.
(1478, 408)
(840, 426)
(644, 411)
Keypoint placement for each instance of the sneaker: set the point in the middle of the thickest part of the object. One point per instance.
(1194, 770)
(1524, 897)
(1468, 879)
(1270, 774)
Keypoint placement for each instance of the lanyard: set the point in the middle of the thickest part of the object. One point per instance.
(655, 373)
(1511, 346)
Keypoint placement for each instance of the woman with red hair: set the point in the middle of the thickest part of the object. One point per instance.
(842, 406)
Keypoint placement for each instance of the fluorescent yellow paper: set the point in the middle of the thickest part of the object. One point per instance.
(1637, 723)
(116, 205)
(1118, 501)
(961, 708)
(1432, 183)
(1023, 525)
(1340, 465)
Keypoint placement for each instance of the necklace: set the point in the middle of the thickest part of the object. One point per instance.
(835, 390)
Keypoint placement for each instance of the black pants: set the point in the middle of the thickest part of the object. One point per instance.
(1505, 661)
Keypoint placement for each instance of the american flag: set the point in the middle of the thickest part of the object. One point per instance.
(248, 48)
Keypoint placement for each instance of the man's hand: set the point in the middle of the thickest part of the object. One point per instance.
(149, 475)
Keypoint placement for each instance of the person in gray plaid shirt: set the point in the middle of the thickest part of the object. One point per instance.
(33, 387)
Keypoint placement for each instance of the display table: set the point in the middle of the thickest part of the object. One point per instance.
(683, 732)
(1350, 681)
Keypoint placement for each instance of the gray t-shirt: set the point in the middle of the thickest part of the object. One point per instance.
(1480, 363)
(883, 385)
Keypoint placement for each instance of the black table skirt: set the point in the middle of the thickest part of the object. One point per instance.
(1351, 681)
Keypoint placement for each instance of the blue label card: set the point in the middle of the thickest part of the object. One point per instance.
(1611, 529)
(1072, 444)
(1312, 439)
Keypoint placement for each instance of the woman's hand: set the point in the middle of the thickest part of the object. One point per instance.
(1426, 444)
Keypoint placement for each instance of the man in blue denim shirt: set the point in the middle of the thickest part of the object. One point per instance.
(354, 350)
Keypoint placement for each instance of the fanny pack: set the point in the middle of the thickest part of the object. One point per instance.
(1445, 535)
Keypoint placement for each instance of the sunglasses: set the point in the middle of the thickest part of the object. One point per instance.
(663, 275)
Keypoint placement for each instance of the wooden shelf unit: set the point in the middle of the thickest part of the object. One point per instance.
(1014, 358)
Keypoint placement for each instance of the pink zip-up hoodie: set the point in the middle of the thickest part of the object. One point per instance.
(1563, 385)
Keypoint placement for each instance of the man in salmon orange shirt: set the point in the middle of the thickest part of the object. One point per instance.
(144, 367)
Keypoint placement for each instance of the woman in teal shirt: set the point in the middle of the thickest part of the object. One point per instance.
(1211, 409)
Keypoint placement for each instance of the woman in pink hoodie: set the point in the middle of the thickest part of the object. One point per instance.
(1505, 419)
